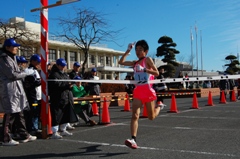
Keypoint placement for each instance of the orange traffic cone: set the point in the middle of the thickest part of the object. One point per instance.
(144, 112)
(233, 98)
(95, 109)
(173, 108)
(1, 115)
(105, 113)
(223, 99)
(127, 104)
(195, 101)
(210, 100)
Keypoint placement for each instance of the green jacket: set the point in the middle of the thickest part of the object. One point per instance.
(78, 91)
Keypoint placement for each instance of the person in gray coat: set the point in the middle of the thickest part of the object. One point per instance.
(12, 96)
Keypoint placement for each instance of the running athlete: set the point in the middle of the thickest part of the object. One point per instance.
(143, 93)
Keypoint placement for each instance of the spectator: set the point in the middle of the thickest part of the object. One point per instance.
(75, 71)
(12, 96)
(94, 88)
(18, 61)
(160, 88)
(180, 84)
(187, 83)
(209, 84)
(238, 80)
(84, 110)
(23, 62)
(32, 85)
(61, 100)
(223, 86)
(231, 87)
(129, 87)
(49, 67)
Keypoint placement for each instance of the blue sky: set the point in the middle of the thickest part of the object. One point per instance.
(218, 21)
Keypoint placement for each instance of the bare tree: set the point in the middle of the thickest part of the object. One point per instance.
(86, 28)
(20, 33)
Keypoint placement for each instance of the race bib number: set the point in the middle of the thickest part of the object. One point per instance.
(142, 77)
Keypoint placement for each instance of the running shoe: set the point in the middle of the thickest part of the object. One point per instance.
(56, 135)
(10, 143)
(66, 133)
(69, 127)
(30, 138)
(161, 105)
(131, 143)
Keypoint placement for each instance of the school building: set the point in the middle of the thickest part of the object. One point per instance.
(103, 58)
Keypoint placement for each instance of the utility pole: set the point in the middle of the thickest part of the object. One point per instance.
(201, 52)
(196, 48)
(191, 37)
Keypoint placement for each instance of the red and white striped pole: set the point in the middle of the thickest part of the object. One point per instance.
(45, 110)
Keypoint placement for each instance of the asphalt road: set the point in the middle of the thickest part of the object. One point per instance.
(210, 132)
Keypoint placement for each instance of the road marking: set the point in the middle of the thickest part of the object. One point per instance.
(200, 117)
(151, 148)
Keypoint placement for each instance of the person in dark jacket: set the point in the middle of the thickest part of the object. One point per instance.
(129, 87)
(61, 100)
(49, 67)
(12, 96)
(93, 88)
(224, 86)
(32, 87)
(75, 71)
(231, 87)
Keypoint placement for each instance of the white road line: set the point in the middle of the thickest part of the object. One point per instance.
(201, 117)
(151, 148)
(186, 128)
(99, 127)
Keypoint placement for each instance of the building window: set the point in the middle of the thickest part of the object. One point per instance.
(101, 60)
(52, 55)
(109, 76)
(66, 55)
(73, 56)
(114, 61)
(108, 61)
(27, 52)
(92, 59)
